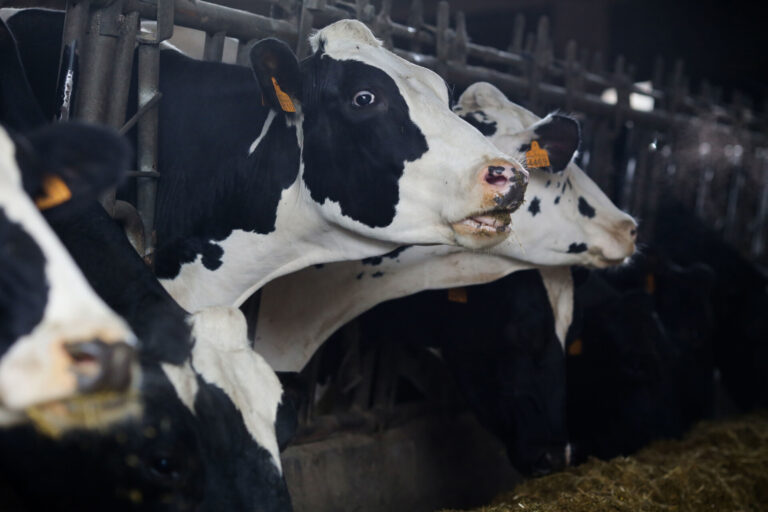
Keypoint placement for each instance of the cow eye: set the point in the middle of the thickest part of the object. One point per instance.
(364, 98)
(165, 467)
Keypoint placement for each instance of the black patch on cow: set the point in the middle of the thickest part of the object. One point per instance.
(378, 274)
(557, 200)
(211, 185)
(575, 248)
(549, 182)
(585, 208)
(122, 280)
(359, 276)
(534, 207)
(479, 120)
(23, 287)
(376, 260)
(356, 155)
(212, 254)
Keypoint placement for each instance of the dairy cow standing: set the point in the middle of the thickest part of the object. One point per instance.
(355, 152)
(567, 221)
(66, 360)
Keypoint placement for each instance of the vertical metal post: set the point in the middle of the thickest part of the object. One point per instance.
(416, 20)
(96, 63)
(149, 73)
(123, 67)
(214, 46)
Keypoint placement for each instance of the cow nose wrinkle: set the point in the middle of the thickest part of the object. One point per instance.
(102, 366)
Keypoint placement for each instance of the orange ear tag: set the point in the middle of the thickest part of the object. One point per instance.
(285, 101)
(55, 192)
(650, 283)
(575, 348)
(536, 157)
(457, 295)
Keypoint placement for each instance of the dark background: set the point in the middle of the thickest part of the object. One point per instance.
(725, 43)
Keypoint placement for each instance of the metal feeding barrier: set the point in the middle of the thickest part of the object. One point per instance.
(712, 155)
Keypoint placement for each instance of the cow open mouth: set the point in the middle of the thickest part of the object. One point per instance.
(491, 223)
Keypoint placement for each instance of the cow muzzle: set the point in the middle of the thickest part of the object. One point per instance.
(503, 185)
(106, 388)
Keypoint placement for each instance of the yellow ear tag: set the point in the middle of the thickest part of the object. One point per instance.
(650, 283)
(536, 157)
(575, 348)
(457, 295)
(55, 192)
(285, 101)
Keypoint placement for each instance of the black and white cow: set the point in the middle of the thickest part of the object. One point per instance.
(66, 359)
(213, 419)
(344, 155)
(566, 213)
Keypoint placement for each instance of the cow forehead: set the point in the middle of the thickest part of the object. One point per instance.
(411, 79)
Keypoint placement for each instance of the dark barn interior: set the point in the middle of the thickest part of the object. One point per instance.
(611, 346)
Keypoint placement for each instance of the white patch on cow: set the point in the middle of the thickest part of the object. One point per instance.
(222, 356)
(559, 285)
(328, 297)
(264, 130)
(37, 368)
(184, 382)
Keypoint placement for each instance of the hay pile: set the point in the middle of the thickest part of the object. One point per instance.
(719, 466)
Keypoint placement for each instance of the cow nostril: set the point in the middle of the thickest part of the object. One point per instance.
(633, 232)
(102, 366)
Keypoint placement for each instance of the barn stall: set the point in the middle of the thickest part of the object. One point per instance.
(371, 410)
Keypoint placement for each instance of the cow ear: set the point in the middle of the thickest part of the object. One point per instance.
(277, 70)
(481, 95)
(71, 163)
(551, 143)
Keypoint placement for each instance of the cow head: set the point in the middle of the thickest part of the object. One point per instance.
(65, 358)
(206, 440)
(382, 153)
(567, 219)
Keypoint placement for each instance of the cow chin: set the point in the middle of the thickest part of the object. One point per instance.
(93, 411)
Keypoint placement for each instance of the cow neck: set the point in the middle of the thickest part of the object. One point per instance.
(328, 297)
(232, 212)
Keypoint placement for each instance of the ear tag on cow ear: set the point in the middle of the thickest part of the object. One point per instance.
(285, 101)
(575, 348)
(457, 295)
(650, 283)
(55, 192)
(536, 157)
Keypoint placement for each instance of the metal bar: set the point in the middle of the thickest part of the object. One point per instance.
(96, 64)
(149, 73)
(143, 109)
(214, 18)
(214, 46)
(123, 67)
